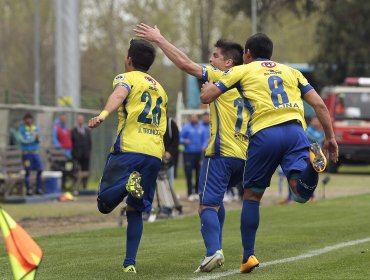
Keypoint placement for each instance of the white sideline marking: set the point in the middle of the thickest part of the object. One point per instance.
(309, 254)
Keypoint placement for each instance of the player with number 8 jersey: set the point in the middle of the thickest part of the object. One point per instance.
(142, 116)
(265, 84)
(273, 94)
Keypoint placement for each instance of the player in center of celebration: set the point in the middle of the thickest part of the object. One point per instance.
(226, 152)
(135, 159)
(273, 94)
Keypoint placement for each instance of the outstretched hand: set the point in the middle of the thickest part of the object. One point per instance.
(144, 31)
(95, 121)
(331, 146)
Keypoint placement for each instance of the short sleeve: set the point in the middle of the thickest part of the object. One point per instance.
(122, 80)
(210, 73)
(230, 78)
(303, 84)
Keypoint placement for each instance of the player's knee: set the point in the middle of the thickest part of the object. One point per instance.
(201, 208)
(253, 194)
(103, 208)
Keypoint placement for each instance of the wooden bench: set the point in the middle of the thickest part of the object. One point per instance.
(11, 169)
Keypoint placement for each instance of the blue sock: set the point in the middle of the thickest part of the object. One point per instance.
(210, 229)
(250, 219)
(306, 182)
(134, 232)
(38, 180)
(221, 219)
(309, 176)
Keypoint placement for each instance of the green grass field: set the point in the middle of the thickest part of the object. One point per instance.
(171, 249)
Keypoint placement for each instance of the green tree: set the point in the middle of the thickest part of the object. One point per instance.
(343, 37)
(271, 9)
(16, 51)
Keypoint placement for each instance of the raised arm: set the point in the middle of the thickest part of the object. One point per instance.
(180, 59)
(114, 101)
(322, 113)
(209, 92)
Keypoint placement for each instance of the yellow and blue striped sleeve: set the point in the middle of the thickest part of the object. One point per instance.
(210, 73)
(303, 84)
(123, 81)
(230, 78)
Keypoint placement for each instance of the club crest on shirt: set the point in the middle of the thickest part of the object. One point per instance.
(268, 64)
(119, 77)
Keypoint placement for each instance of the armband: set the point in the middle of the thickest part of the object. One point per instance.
(104, 114)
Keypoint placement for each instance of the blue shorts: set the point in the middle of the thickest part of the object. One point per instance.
(285, 144)
(32, 162)
(216, 176)
(117, 170)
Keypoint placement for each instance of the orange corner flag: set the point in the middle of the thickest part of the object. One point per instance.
(24, 253)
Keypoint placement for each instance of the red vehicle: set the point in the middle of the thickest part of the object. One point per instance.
(349, 107)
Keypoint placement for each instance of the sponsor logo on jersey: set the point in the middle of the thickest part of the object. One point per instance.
(272, 72)
(151, 80)
(287, 105)
(268, 64)
(241, 137)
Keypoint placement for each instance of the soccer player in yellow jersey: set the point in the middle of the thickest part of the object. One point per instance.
(135, 159)
(226, 152)
(273, 93)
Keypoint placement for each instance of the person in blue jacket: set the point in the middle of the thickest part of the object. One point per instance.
(193, 137)
(29, 138)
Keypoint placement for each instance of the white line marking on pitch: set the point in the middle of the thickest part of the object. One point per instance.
(309, 254)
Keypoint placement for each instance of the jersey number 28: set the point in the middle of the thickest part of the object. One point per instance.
(156, 112)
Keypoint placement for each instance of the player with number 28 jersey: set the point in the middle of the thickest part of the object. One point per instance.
(132, 167)
(142, 116)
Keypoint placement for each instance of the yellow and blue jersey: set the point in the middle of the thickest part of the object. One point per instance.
(228, 121)
(272, 92)
(27, 138)
(142, 116)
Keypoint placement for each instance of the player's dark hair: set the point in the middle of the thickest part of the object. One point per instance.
(142, 54)
(27, 116)
(231, 50)
(260, 46)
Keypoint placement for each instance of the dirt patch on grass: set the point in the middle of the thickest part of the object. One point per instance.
(92, 219)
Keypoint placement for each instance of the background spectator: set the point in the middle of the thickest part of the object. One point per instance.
(192, 136)
(62, 136)
(81, 146)
(14, 134)
(315, 131)
(29, 137)
(207, 129)
(171, 145)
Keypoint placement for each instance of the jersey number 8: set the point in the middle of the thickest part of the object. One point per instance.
(277, 88)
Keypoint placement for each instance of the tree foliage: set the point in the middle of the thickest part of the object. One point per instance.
(343, 36)
(271, 8)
